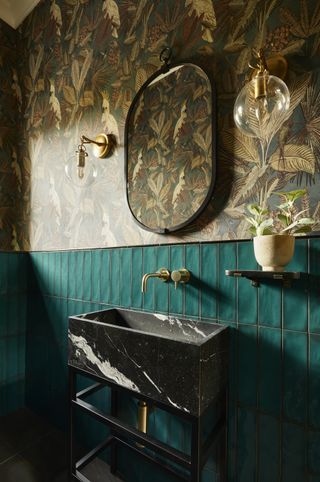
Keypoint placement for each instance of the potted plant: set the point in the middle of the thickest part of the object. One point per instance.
(274, 230)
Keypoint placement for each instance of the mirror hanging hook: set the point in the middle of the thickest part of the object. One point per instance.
(165, 55)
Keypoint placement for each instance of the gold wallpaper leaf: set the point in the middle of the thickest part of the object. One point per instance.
(69, 94)
(87, 99)
(297, 89)
(254, 180)
(293, 47)
(35, 62)
(293, 158)
(241, 146)
(75, 74)
(243, 60)
(141, 77)
(28, 82)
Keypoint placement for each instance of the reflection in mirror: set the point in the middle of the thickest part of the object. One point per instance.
(170, 169)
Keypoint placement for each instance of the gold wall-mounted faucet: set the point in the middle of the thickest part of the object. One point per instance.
(163, 274)
(180, 276)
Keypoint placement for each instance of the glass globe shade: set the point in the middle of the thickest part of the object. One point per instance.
(262, 116)
(81, 176)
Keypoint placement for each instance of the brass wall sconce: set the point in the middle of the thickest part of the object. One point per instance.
(263, 103)
(81, 172)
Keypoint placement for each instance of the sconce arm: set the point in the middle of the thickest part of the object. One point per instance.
(87, 140)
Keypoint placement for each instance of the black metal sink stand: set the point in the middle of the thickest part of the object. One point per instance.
(122, 434)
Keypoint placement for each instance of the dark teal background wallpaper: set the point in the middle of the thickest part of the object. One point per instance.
(274, 400)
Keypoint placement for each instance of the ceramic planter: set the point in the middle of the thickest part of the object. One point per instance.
(273, 251)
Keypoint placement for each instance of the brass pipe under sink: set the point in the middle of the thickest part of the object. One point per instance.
(142, 419)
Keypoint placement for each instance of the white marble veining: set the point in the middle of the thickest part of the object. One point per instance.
(177, 406)
(104, 366)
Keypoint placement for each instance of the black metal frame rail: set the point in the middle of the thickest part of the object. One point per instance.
(122, 434)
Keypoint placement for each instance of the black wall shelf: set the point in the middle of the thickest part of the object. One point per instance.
(256, 276)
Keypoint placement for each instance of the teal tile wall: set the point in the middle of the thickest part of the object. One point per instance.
(274, 402)
(13, 311)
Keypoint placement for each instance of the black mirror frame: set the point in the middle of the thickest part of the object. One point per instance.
(164, 69)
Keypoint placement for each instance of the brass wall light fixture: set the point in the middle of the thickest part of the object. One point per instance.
(82, 171)
(263, 103)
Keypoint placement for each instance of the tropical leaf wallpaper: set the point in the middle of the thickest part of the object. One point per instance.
(74, 67)
(170, 158)
(10, 169)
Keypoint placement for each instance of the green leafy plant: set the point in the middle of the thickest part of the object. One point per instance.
(286, 219)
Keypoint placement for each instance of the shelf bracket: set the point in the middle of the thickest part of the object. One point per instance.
(256, 276)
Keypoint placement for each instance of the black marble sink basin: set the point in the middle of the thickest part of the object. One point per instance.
(177, 361)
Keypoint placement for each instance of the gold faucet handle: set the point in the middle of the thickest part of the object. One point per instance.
(180, 276)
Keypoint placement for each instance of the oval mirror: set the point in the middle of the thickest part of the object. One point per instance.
(170, 159)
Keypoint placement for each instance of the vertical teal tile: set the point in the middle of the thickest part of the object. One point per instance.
(314, 285)
(21, 275)
(136, 278)
(51, 272)
(247, 365)
(12, 273)
(270, 300)
(57, 271)
(150, 266)
(3, 315)
(246, 457)
(78, 273)
(208, 475)
(295, 376)
(12, 315)
(269, 449)
(105, 276)
(125, 277)
(3, 273)
(270, 369)
(46, 273)
(176, 296)
(64, 273)
(192, 263)
(295, 299)
(209, 280)
(247, 294)
(294, 453)
(3, 355)
(96, 265)
(115, 276)
(314, 452)
(162, 289)
(227, 284)
(12, 358)
(86, 276)
(314, 381)
(72, 266)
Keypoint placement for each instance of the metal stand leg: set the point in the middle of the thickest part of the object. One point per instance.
(72, 395)
(196, 450)
(113, 464)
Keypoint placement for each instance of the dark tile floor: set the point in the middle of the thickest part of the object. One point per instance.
(31, 450)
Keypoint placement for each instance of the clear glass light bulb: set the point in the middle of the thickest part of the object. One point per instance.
(81, 175)
(261, 116)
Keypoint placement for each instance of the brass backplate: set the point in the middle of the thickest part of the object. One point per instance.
(277, 65)
(103, 149)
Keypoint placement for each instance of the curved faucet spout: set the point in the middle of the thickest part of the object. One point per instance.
(163, 274)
